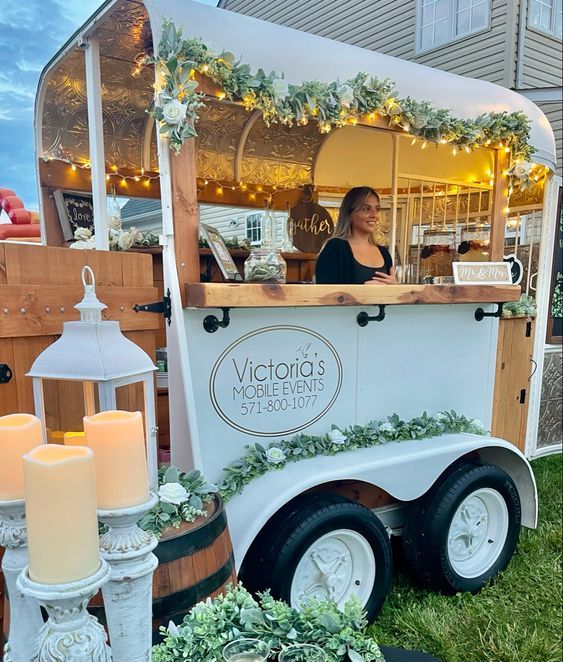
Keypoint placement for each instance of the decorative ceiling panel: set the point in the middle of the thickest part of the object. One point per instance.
(273, 155)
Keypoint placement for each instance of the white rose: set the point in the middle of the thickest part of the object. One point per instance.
(173, 493)
(125, 240)
(114, 222)
(86, 244)
(477, 423)
(336, 437)
(275, 455)
(387, 427)
(82, 234)
(522, 169)
(174, 112)
(281, 88)
(137, 235)
(346, 95)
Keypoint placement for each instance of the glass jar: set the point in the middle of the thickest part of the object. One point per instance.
(474, 245)
(265, 265)
(438, 253)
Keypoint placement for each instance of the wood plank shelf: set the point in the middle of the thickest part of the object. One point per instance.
(250, 295)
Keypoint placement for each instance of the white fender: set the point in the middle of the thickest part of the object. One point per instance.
(405, 469)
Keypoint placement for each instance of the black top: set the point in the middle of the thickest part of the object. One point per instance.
(336, 264)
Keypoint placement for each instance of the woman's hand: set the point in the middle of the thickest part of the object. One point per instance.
(381, 278)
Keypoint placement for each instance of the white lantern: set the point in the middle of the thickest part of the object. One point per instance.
(95, 352)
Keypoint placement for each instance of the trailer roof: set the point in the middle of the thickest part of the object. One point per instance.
(124, 32)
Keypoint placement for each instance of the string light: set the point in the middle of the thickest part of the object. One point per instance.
(115, 172)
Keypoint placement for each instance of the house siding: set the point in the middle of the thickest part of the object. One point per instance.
(391, 28)
(542, 60)
(553, 112)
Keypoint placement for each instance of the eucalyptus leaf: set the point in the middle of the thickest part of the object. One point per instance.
(172, 475)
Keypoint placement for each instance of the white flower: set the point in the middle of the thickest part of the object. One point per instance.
(475, 422)
(87, 244)
(336, 437)
(275, 455)
(174, 112)
(522, 168)
(82, 234)
(281, 88)
(346, 95)
(125, 240)
(114, 222)
(173, 630)
(387, 427)
(173, 493)
(441, 416)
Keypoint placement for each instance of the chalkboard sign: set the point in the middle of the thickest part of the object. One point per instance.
(555, 316)
(75, 211)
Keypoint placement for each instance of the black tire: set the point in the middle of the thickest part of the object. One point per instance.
(434, 528)
(274, 558)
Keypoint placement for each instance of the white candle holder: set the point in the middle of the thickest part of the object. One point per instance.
(25, 614)
(71, 633)
(128, 594)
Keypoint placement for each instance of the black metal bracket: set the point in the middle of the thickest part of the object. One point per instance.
(364, 319)
(163, 307)
(212, 323)
(480, 314)
(5, 373)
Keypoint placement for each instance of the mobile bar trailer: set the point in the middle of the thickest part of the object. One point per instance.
(299, 367)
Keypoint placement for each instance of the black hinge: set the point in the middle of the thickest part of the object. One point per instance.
(528, 328)
(163, 307)
(522, 396)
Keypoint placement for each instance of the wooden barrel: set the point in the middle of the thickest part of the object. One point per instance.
(194, 562)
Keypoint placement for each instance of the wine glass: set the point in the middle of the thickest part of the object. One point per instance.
(302, 653)
(246, 650)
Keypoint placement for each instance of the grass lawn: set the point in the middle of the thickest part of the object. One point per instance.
(518, 618)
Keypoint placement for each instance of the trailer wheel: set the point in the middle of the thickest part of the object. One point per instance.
(328, 548)
(464, 530)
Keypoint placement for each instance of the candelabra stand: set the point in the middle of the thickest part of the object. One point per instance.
(128, 594)
(70, 633)
(25, 614)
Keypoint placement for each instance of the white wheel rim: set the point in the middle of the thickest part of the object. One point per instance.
(477, 532)
(336, 566)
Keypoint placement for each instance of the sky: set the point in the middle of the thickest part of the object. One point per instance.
(31, 33)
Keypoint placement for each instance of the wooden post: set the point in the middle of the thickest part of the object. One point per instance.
(500, 205)
(185, 215)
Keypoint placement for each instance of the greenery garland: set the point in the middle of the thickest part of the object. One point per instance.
(331, 104)
(259, 460)
(210, 625)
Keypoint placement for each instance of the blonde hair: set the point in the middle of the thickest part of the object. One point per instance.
(351, 202)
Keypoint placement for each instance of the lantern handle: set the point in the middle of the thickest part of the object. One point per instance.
(88, 287)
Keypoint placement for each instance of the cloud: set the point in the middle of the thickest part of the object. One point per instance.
(31, 33)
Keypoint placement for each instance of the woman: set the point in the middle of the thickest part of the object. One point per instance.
(351, 256)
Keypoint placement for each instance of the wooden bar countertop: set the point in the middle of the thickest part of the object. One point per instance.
(253, 295)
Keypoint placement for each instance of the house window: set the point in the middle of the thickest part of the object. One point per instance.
(545, 15)
(442, 21)
(254, 228)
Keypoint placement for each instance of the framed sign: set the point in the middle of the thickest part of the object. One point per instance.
(482, 273)
(221, 253)
(75, 210)
(555, 312)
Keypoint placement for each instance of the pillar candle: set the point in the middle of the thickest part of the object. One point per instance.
(60, 508)
(74, 438)
(19, 433)
(118, 441)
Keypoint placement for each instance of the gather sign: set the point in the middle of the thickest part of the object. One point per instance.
(310, 225)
